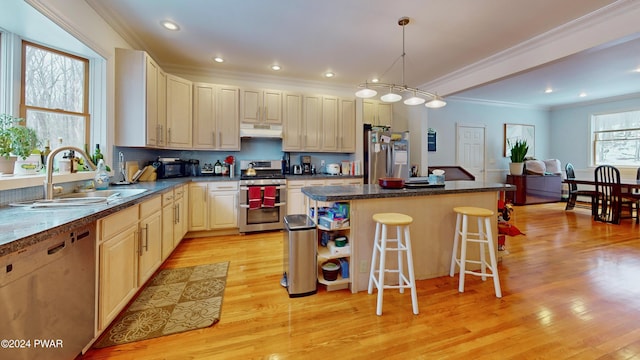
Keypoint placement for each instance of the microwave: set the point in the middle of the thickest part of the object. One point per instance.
(171, 168)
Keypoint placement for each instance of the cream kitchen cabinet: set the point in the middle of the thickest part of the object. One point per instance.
(181, 206)
(216, 117)
(150, 238)
(338, 125)
(296, 200)
(168, 220)
(118, 268)
(140, 100)
(312, 122)
(376, 112)
(330, 129)
(223, 205)
(261, 106)
(179, 112)
(213, 205)
(347, 125)
(292, 130)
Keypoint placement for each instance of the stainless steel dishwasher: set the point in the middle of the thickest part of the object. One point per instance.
(47, 292)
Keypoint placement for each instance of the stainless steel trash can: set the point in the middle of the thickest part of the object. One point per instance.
(300, 268)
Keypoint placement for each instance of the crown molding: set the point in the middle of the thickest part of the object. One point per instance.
(610, 23)
(475, 101)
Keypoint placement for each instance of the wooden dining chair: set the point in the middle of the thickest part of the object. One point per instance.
(611, 201)
(574, 193)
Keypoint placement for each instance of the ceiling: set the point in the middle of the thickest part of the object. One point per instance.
(361, 39)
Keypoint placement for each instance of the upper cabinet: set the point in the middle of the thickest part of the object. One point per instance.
(376, 112)
(215, 117)
(140, 100)
(319, 123)
(292, 132)
(179, 112)
(261, 106)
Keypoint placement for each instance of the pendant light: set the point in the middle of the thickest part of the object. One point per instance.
(395, 91)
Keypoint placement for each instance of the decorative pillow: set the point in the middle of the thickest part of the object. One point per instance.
(534, 167)
(553, 166)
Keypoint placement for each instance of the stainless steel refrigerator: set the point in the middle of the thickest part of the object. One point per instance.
(386, 154)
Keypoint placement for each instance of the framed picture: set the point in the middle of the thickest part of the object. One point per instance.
(513, 132)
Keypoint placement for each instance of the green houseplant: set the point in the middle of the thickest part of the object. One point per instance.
(518, 152)
(16, 141)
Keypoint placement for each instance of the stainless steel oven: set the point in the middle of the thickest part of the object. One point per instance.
(262, 196)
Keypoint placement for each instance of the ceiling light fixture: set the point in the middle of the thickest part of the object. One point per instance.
(548, 90)
(329, 74)
(367, 90)
(275, 67)
(218, 59)
(582, 94)
(170, 25)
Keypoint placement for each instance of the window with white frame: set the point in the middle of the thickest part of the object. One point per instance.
(616, 138)
(55, 92)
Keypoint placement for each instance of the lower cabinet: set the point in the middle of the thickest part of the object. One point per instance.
(213, 205)
(296, 200)
(181, 212)
(118, 275)
(132, 244)
(150, 238)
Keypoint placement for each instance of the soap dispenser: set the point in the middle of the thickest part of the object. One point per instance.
(102, 177)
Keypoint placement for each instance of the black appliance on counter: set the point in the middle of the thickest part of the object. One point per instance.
(305, 162)
(170, 167)
(257, 179)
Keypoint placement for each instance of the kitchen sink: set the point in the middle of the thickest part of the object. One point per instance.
(121, 193)
(89, 198)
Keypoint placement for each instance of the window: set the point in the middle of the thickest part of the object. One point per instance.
(616, 138)
(55, 92)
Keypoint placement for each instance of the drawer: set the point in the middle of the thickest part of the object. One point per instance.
(223, 186)
(167, 198)
(150, 206)
(295, 184)
(115, 223)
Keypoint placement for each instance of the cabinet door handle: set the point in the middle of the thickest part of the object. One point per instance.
(213, 138)
(139, 236)
(146, 237)
(219, 138)
(264, 114)
(168, 135)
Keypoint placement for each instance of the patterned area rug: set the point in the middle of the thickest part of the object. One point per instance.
(173, 301)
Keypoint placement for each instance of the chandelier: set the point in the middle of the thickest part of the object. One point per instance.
(394, 91)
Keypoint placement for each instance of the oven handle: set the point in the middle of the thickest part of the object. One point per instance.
(275, 205)
(281, 187)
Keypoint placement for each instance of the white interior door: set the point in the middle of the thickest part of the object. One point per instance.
(470, 149)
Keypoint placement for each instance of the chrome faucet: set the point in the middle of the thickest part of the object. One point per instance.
(48, 181)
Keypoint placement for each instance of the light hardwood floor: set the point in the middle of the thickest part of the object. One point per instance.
(571, 290)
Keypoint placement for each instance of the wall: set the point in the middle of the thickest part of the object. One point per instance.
(493, 117)
(575, 121)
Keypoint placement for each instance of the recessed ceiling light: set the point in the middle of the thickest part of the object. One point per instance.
(218, 59)
(170, 25)
(275, 67)
(637, 69)
(582, 94)
(375, 80)
(329, 74)
(548, 90)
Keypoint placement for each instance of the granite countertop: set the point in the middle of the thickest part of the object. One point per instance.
(321, 176)
(21, 227)
(373, 191)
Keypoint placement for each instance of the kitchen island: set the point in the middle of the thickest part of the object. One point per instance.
(433, 225)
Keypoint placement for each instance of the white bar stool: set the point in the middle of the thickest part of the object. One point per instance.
(483, 236)
(376, 276)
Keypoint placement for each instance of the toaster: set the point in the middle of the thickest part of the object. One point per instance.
(296, 169)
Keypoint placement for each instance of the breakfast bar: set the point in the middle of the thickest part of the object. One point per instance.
(433, 224)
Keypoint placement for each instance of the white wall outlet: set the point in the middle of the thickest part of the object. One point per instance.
(321, 162)
(364, 266)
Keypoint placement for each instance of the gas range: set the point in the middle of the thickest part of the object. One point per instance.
(267, 172)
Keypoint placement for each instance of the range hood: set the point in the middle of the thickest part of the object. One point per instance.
(260, 131)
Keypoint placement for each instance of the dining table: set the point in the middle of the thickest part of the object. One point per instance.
(627, 186)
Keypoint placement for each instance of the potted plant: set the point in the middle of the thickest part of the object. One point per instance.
(16, 141)
(518, 152)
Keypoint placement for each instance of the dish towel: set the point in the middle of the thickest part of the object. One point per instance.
(255, 198)
(269, 199)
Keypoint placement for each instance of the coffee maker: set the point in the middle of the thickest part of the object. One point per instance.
(305, 161)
